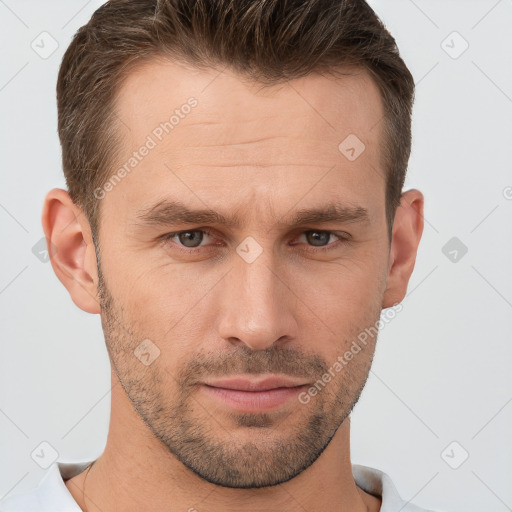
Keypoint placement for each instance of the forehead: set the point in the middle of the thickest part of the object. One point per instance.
(212, 131)
(315, 104)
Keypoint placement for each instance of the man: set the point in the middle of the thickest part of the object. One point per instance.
(235, 214)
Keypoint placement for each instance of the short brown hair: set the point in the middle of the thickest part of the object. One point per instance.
(269, 41)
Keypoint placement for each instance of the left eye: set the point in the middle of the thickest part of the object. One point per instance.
(318, 238)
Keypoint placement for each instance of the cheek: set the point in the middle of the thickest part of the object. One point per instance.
(342, 293)
(342, 302)
(148, 290)
(169, 305)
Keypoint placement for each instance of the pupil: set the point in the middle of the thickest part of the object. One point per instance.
(318, 236)
(189, 238)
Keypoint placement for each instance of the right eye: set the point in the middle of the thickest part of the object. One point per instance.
(190, 238)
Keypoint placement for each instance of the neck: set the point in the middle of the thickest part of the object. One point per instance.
(136, 472)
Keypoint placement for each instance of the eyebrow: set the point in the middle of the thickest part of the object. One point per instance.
(168, 212)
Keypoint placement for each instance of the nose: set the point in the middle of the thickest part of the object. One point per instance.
(256, 305)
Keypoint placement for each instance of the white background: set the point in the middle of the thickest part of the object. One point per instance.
(442, 367)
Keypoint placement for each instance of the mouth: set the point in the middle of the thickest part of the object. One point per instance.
(254, 395)
(262, 384)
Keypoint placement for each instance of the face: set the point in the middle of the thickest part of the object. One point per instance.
(243, 243)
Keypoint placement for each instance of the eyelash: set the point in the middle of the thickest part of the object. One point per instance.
(343, 238)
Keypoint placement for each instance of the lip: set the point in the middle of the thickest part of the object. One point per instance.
(262, 384)
(249, 395)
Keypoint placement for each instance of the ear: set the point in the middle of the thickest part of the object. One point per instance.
(407, 231)
(71, 249)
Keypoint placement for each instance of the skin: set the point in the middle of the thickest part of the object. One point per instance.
(264, 153)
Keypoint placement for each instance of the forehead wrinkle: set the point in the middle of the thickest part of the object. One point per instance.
(243, 143)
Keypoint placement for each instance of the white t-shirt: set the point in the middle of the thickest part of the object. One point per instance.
(52, 495)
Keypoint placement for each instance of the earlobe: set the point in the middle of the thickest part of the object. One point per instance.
(71, 249)
(407, 231)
